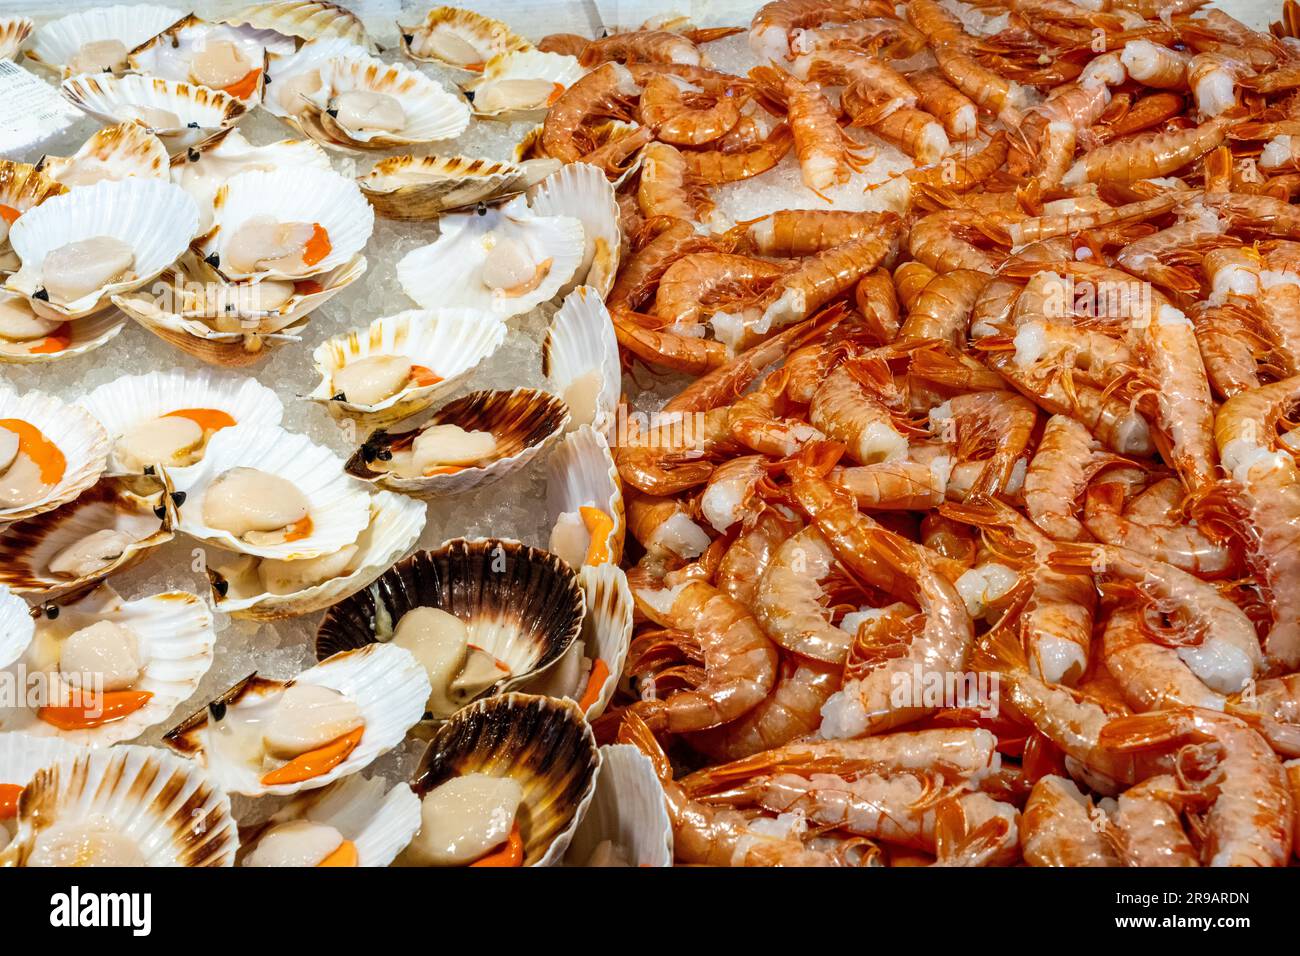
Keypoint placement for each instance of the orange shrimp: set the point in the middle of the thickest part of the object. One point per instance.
(692, 284)
(791, 233)
(949, 105)
(717, 166)
(642, 46)
(666, 187)
(607, 91)
(1148, 155)
(685, 116)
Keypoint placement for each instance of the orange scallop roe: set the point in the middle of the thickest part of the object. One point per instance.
(313, 763)
(57, 342)
(318, 246)
(512, 854)
(209, 419)
(344, 855)
(9, 794)
(244, 88)
(299, 529)
(33, 443)
(9, 214)
(95, 709)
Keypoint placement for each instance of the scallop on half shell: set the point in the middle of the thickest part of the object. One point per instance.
(159, 647)
(16, 626)
(216, 55)
(98, 40)
(627, 823)
(50, 452)
(581, 362)
(262, 590)
(28, 337)
(304, 20)
(582, 191)
(506, 260)
(125, 806)
(402, 363)
(104, 530)
(521, 606)
(114, 152)
(134, 408)
(248, 739)
(542, 744)
(461, 39)
(585, 496)
(354, 822)
(14, 32)
(470, 442)
(420, 188)
(253, 476)
(522, 82)
(87, 245)
(22, 187)
(292, 77)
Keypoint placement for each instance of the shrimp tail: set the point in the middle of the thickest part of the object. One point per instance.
(1156, 730)
(999, 651)
(820, 456)
(636, 732)
(1075, 558)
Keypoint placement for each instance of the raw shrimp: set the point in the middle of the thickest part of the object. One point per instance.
(1155, 65)
(607, 91)
(718, 166)
(942, 311)
(1151, 675)
(730, 493)
(879, 88)
(1272, 707)
(638, 278)
(640, 46)
(790, 601)
(744, 562)
(790, 233)
(1061, 827)
(877, 300)
(644, 337)
(1005, 99)
(949, 105)
(1146, 827)
(896, 485)
(692, 285)
(685, 116)
(943, 241)
(1169, 538)
(1147, 155)
(915, 132)
(771, 29)
(616, 155)
(911, 278)
(665, 525)
(1236, 347)
(667, 188)
(886, 35)
(1065, 459)
(848, 408)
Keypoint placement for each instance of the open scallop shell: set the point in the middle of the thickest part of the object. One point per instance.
(156, 219)
(582, 191)
(16, 626)
(79, 437)
(521, 605)
(21, 755)
(176, 640)
(170, 54)
(449, 271)
(387, 683)
(286, 99)
(378, 824)
(395, 525)
(291, 195)
(450, 36)
(181, 311)
(56, 43)
(166, 806)
(522, 82)
(432, 112)
(202, 174)
(339, 507)
(303, 20)
(419, 188)
(541, 743)
(448, 342)
(589, 672)
(70, 339)
(115, 152)
(22, 187)
(14, 32)
(628, 811)
(581, 341)
(524, 422)
(28, 547)
(203, 114)
(125, 402)
(581, 474)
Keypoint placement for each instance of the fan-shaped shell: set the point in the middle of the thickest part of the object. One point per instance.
(418, 188)
(28, 546)
(78, 436)
(21, 755)
(452, 270)
(628, 810)
(580, 342)
(524, 423)
(114, 152)
(339, 507)
(581, 474)
(521, 605)
(460, 39)
(68, 340)
(166, 806)
(125, 402)
(291, 195)
(522, 82)
(304, 20)
(386, 683)
(14, 32)
(286, 75)
(22, 187)
(16, 626)
(58, 42)
(395, 525)
(171, 55)
(156, 219)
(175, 635)
(450, 343)
(582, 191)
(203, 114)
(543, 744)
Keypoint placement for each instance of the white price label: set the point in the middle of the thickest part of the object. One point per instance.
(30, 109)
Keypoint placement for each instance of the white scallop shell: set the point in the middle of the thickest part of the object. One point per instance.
(156, 219)
(203, 175)
(21, 755)
(84, 335)
(386, 683)
(418, 188)
(16, 626)
(77, 434)
(171, 52)
(581, 338)
(488, 37)
(582, 473)
(304, 20)
(395, 525)
(176, 640)
(493, 99)
(448, 272)
(203, 113)
(114, 152)
(432, 112)
(340, 508)
(57, 42)
(14, 32)
(168, 807)
(449, 342)
(125, 402)
(311, 56)
(378, 824)
(628, 810)
(292, 195)
(581, 190)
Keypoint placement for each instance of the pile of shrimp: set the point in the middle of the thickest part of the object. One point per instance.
(972, 537)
